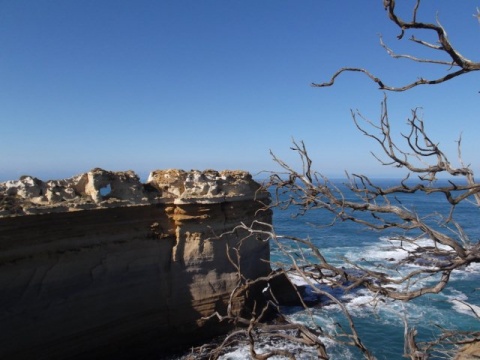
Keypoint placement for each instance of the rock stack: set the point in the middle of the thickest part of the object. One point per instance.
(101, 265)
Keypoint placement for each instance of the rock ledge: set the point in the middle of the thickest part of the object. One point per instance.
(100, 188)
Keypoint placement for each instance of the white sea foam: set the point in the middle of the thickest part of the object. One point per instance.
(297, 279)
(365, 308)
(460, 303)
(463, 307)
(473, 268)
(372, 314)
(327, 321)
(301, 352)
(471, 272)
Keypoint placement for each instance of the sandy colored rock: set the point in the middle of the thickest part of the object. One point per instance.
(124, 273)
(206, 186)
(100, 188)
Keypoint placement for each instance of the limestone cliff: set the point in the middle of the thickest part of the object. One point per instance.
(101, 265)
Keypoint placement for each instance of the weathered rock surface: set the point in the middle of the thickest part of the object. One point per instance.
(100, 188)
(101, 265)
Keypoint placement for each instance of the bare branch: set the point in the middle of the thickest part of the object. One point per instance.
(382, 86)
(445, 46)
(413, 58)
(436, 248)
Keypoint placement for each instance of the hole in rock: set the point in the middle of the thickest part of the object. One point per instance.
(106, 190)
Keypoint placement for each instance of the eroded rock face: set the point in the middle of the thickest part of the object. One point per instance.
(100, 188)
(205, 186)
(131, 275)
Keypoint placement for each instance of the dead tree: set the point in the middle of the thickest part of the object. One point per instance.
(379, 209)
(360, 200)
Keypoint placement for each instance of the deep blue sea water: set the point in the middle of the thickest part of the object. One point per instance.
(381, 326)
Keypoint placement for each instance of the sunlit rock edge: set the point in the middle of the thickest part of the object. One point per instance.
(100, 188)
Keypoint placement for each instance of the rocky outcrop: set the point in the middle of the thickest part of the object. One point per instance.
(100, 189)
(101, 265)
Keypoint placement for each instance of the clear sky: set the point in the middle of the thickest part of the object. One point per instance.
(198, 84)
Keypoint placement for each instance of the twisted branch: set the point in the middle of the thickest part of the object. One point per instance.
(464, 64)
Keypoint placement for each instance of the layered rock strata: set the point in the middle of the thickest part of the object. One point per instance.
(101, 265)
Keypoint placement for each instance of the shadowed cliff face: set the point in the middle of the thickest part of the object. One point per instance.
(103, 266)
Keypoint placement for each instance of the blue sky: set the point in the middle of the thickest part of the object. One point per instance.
(147, 85)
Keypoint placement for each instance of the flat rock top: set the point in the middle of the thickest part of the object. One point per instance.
(100, 188)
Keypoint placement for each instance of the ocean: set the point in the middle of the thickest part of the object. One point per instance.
(379, 322)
